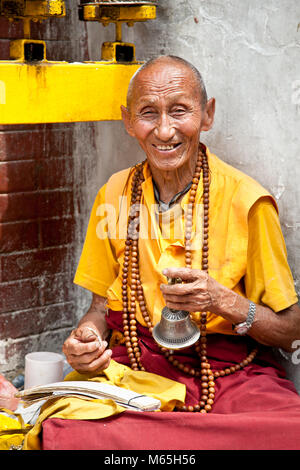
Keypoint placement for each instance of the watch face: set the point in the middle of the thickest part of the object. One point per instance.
(242, 330)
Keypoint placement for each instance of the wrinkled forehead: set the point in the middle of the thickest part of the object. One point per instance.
(165, 81)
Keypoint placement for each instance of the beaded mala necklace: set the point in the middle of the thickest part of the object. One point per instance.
(131, 277)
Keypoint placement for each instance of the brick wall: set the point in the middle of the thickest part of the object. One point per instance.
(37, 218)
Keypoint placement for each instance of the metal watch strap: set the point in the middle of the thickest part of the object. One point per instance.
(244, 327)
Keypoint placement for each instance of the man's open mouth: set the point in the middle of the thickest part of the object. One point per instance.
(168, 147)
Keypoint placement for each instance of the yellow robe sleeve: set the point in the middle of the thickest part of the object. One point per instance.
(268, 278)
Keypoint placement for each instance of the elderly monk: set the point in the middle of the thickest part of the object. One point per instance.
(184, 213)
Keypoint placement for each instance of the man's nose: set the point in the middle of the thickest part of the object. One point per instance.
(164, 129)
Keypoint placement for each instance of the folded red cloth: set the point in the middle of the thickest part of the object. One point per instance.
(133, 430)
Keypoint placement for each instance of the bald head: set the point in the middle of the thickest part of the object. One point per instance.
(169, 61)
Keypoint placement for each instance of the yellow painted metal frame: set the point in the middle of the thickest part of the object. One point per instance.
(110, 13)
(45, 8)
(109, 51)
(62, 92)
(17, 48)
(33, 8)
(43, 92)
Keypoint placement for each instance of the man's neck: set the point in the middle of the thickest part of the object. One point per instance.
(175, 199)
(170, 183)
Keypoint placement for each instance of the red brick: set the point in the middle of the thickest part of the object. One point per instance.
(52, 126)
(56, 289)
(4, 49)
(23, 206)
(13, 351)
(33, 264)
(36, 321)
(20, 206)
(19, 295)
(55, 173)
(18, 176)
(38, 210)
(50, 29)
(53, 29)
(18, 236)
(55, 203)
(59, 142)
(11, 29)
(22, 127)
(59, 50)
(57, 231)
(28, 142)
(20, 144)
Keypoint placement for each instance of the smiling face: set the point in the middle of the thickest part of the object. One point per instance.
(166, 114)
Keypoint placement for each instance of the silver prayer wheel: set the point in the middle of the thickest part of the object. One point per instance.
(176, 330)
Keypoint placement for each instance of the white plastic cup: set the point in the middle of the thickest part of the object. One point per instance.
(42, 368)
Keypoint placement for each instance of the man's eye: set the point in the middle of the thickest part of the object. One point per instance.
(178, 111)
(148, 114)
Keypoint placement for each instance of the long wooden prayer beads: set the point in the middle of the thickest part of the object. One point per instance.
(131, 277)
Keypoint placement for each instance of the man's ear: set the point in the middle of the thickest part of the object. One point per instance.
(208, 115)
(127, 120)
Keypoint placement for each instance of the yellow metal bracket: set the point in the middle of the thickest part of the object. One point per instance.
(32, 8)
(106, 12)
(62, 92)
(34, 90)
(115, 12)
(28, 50)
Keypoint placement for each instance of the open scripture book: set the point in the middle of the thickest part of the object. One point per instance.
(89, 390)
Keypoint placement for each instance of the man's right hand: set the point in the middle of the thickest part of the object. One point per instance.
(84, 352)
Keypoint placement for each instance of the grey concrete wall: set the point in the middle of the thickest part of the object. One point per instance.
(249, 54)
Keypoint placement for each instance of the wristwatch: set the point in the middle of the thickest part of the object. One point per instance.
(244, 327)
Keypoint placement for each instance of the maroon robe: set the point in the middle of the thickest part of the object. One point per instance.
(254, 408)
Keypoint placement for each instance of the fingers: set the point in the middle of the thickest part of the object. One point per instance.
(85, 351)
(186, 274)
(73, 346)
(182, 290)
(86, 334)
(192, 296)
(187, 299)
(91, 363)
(188, 303)
(176, 289)
(196, 278)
